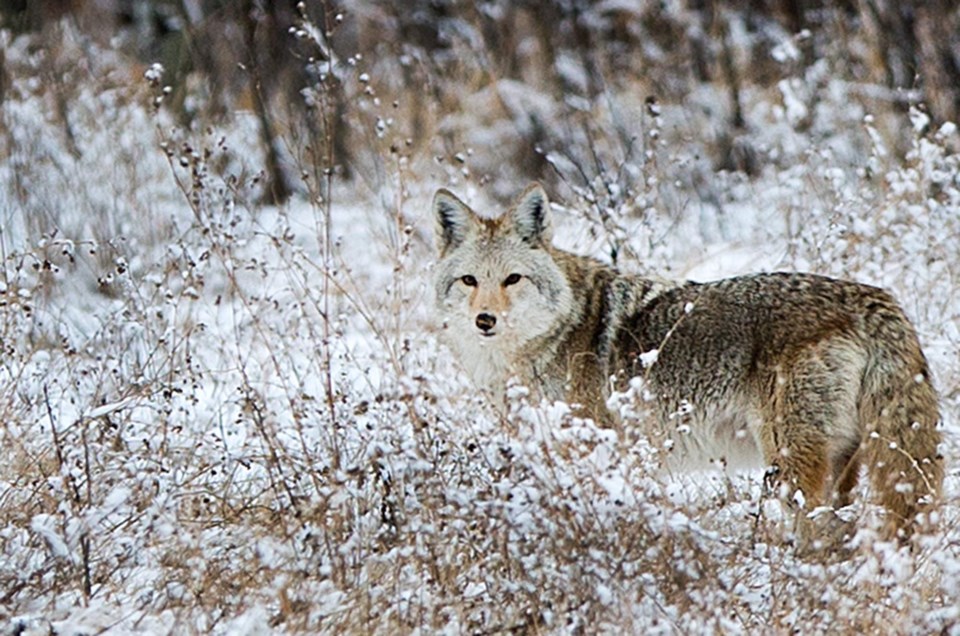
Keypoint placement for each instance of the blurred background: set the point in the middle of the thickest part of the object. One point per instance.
(564, 91)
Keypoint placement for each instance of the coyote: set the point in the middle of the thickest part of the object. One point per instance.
(807, 375)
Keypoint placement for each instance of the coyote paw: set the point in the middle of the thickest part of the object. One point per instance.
(824, 536)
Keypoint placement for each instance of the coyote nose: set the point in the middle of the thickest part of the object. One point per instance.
(486, 322)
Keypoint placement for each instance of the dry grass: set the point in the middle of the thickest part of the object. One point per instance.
(222, 416)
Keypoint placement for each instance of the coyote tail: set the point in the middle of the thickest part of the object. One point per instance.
(900, 417)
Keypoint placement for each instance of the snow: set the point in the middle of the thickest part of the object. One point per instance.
(648, 358)
(229, 426)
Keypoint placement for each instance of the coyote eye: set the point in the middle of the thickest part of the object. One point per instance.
(512, 279)
(468, 280)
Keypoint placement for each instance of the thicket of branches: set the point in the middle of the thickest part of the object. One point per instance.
(220, 415)
(527, 64)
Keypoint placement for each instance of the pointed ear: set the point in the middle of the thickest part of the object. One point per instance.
(530, 216)
(454, 220)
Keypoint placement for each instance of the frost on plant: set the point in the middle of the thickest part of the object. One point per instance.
(224, 407)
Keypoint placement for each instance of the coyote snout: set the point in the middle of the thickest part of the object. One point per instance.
(816, 377)
(485, 323)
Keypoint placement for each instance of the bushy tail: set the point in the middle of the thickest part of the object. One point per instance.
(900, 416)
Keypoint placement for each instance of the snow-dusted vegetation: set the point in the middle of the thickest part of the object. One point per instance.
(223, 402)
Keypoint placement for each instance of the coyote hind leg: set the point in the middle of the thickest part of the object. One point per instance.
(810, 431)
(846, 475)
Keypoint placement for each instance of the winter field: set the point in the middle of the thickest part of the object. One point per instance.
(220, 415)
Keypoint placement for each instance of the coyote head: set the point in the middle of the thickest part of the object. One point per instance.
(498, 285)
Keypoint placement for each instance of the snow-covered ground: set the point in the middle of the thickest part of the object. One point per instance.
(220, 416)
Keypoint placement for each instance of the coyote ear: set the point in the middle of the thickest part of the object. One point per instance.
(531, 215)
(454, 220)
